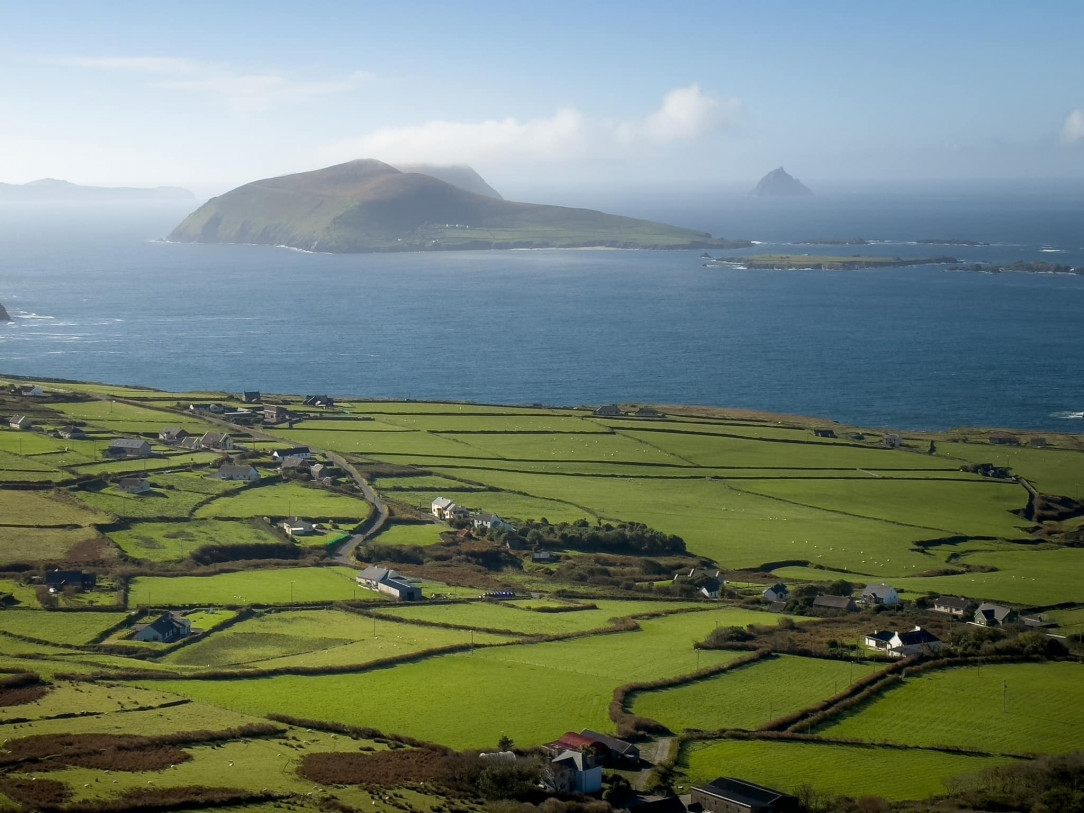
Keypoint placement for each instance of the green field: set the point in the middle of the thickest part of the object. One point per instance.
(423, 483)
(65, 628)
(148, 464)
(847, 770)
(31, 545)
(285, 500)
(284, 586)
(176, 541)
(502, 503)
(1003, 709)
(316, 638)
(486, 615)
(45, 509)
(750, 696)
(75, 699)
(524, 685)
(417, 534)
(172, 496)
(1052, 471)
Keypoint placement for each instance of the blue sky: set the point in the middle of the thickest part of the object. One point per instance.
(210, 95)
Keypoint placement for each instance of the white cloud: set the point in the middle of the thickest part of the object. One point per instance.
(685, 114)
(242, 91)
(1073, 129)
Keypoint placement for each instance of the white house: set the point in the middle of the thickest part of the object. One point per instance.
(777, 592)
(300, 452)
(165, 629)
(390, 583)
(903, 644)
(880, 594)
(440, 506)
(216, 440)
(488, 521)
(20, 422)
(574, 772)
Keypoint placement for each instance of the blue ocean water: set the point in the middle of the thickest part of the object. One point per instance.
(97, 298)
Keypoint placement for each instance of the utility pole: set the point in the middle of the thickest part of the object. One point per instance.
(1004, 697)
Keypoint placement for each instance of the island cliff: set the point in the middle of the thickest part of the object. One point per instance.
(778, 183)
(366, 205)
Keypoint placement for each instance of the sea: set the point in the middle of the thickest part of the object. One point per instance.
(97, 295)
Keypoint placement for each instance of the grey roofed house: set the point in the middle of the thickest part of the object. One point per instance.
(20, 422)
(824, 433)
(250, 397)
(173, 435)
(216, 440)
(729, 795)
(917, 637)
(294, 464)
(231, 471)
(608, 411)
(647, 412)
(71, 433)
(618, 748)
(303, 452)
(952, 605)
(993, 615)
(880, 594)
(835, 603)
(879, 639)
(383, 580)
(777, 592)
(134, 485)
(166, 629)
(128, 447)
(320, 401)
(59, 579)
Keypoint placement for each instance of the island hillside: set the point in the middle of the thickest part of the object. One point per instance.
(459, 175)
(367, 205)
(778, 183)
(53, 190)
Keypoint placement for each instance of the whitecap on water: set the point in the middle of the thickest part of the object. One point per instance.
(1070, 416)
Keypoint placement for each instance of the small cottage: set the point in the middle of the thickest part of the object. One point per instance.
(134, 485)
(994, 615)
(835, 603)
(953, 605)
(777, 592)
(165, 629)
(128, 447)
(879, 595)
(231, 471)
(20, 422)
(382, 580)
(728, 795)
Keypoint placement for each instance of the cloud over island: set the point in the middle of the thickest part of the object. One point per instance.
(686, 114)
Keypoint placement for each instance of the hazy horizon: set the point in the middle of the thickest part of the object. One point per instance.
(545, 97)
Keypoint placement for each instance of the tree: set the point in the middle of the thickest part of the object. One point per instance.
(505, 743)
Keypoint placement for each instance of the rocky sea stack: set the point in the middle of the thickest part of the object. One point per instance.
(778, 183)
(4, 316)
(367, 205)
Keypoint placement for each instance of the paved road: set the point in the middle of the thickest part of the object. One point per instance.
(344, 553)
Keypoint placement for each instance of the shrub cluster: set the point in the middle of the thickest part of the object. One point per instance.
(21, 688)
(623, 537)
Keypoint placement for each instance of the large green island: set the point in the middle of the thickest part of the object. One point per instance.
(197, 608)
(369, 206)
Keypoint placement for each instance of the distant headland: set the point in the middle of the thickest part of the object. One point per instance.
(53, 190)
(369, 206)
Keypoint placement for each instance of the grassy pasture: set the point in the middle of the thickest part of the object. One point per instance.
(68, 629)
(439, 408)
(523, 685)
(732, 452)
(176, 541)
(850, 770)
(486, 615)
(1032, 578)
(33, 545)
(304, 584)
(316, 638)
(502, 503)
(1003, 708)
(173, 496)
(37, 443)
(750, 696)
(418, 534)
(23, 594)
(13, 463)
(45, 509)
(565, 446)
(954, 508)
(316, 424)
(735, 528)
(285, 499)
(375, 444)
(148, 464)
(421, 483)
(82, 699)
(1052, 471)
(113, 414)
(502, 424)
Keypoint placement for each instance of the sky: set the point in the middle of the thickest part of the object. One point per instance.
(537, 96)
